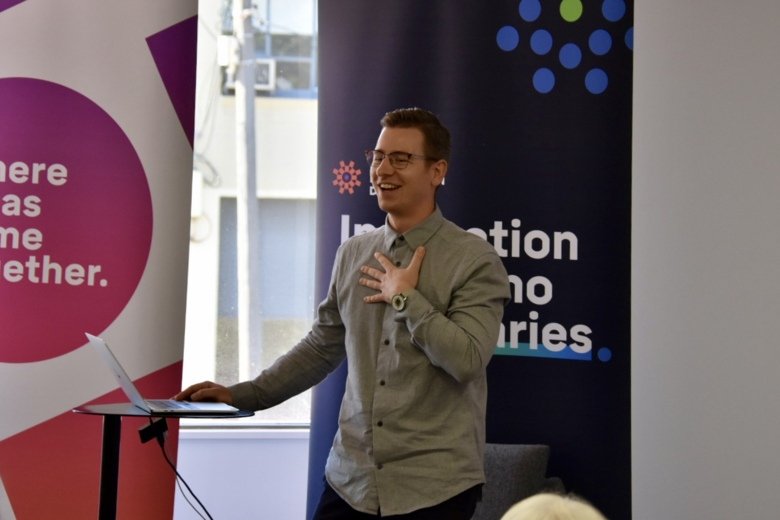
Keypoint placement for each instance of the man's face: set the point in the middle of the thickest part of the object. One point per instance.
(406, 194)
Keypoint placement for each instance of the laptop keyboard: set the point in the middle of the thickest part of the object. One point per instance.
(163, 403)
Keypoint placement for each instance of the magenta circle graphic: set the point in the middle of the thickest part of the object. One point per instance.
(75, 220)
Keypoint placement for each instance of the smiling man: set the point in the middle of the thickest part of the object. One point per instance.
(405, 170)
(415, 307)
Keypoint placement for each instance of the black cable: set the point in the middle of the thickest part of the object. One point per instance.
(189, 502)
(180, 480)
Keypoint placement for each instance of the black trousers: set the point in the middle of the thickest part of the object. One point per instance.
(459, 507)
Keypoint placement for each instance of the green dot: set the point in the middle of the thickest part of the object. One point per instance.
(571, 10)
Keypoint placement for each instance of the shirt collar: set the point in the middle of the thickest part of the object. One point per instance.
(419, 234)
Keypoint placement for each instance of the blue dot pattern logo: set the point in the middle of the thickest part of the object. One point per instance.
(600, 42)
(570, 55)
(543, 41)
(507, 38)
(613, 10)
(530, 10)
(596, 81)
(544, 80)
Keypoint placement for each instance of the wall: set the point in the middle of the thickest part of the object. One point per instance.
(244, 473)
(706, 260)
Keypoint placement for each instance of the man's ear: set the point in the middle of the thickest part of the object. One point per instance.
(439, 172)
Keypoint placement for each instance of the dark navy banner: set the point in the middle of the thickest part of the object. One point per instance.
(537, 96)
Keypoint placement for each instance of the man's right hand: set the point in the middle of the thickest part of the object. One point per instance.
(205, 391)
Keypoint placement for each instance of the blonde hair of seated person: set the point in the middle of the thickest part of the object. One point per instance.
(549, 506)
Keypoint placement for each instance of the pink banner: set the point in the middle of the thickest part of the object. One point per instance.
(96, 132)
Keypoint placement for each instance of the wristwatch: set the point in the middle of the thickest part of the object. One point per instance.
(399, 301)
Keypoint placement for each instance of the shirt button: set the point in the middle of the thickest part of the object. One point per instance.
(381, 382)
(398, 264)
(387, 342)
(378, 466)
(379, 423)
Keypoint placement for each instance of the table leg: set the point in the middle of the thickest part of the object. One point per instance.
(109, 470)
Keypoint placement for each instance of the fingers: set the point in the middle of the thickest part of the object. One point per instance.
(185, 394)
(392, 279)
(376, 274)
(417, 259)
(414, 265)
(384, 261)
(205, 391)
(215, 393)
(374, 298)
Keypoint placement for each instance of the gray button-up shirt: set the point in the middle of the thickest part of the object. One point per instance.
(412, 421)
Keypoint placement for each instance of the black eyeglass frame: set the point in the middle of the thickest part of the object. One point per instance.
(398, 160)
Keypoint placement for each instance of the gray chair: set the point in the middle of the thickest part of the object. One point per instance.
(513, 472)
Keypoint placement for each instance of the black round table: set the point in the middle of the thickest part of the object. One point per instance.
(112, 429)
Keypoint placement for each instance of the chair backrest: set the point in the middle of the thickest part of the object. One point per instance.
(513, 472)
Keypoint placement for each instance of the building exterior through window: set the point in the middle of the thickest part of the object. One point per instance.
(285, 150)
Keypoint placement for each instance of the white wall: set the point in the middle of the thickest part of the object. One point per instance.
(706, 260)
(244, 473)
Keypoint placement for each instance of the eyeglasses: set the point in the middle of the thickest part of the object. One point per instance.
(398, 160)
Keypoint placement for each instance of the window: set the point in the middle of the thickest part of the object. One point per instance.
(285, 47)
(285, 151)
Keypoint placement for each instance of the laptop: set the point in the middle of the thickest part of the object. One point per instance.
(166, 406)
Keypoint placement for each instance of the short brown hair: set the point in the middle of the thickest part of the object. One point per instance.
(437, 137)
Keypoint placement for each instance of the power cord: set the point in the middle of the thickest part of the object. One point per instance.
(158, 429)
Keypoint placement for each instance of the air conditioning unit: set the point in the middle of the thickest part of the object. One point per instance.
(265, 74)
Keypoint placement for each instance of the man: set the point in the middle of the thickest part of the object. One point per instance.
(415, 307)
